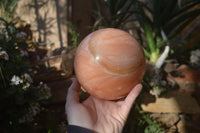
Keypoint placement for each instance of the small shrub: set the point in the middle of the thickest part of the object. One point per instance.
(21, 100)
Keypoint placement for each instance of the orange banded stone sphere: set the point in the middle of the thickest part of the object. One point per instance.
(109, 63)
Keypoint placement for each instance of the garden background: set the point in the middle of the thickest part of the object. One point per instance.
(38, 41)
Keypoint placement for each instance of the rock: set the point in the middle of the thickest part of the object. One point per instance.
(189, 74)
(54, 61)
(49, 76)
(67, 64)
(170, 65)
(196, 94)
(173, 102)
(167, 120)
(172, 129)
(187, 124)
(55, 67)
(189, 80)
(64, 61)
(59, 51)
(195, 58)
(50, 62)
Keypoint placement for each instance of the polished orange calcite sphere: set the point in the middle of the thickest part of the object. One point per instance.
(109, 63)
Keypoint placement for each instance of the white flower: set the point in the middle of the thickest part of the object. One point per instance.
(32, 111)
(45, 91)
(16, 80)
(4, 55)
(157, 91)
(26, 86)
(35, 109)
(27, 77)
(21, 35)
(48, 92)
(23, 53)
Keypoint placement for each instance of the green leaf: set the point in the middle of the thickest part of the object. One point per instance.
(181, 27)
(5, 3)
(97, 22)
(140, 36)
(125, 9)
(120, 4)
(180, 19)
(147, 54)
(163, 42)
(165, 15)
(150, 38)
(188, 6)
(13, 5)
(1, 19)
(112, 5)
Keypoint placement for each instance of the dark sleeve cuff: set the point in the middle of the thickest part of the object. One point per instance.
(77, 129)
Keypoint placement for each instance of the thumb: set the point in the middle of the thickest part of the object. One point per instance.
(129, 101)
(73, 93)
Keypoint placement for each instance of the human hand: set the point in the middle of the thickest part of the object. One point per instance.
(96, 114)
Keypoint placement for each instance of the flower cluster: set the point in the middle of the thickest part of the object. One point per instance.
(3, 55)
(156, 91)
(25, 80)
(23, 97)
(23, 53)
(16, 80)
(44, 91)
(21, 35)
(33, 110)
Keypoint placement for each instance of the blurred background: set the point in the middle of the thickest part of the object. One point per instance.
(38, 42)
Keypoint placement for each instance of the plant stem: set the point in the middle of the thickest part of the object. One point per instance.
(154, 56)
(163, 56)
(4, 83)
(150, 39)
(151, 43)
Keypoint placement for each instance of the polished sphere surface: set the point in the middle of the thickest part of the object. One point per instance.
(109, 63)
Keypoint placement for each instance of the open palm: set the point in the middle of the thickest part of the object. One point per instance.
(96, 114)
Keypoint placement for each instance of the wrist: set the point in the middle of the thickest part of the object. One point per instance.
(78, 129)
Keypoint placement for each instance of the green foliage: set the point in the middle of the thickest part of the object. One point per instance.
(152, 126)
(170, 17)
(153, 16)
(140, 121)
(111, 13)
(74, 34)
(7, 7)
(20, 98)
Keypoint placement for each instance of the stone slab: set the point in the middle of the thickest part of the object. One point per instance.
(166, 119)
(189, 124)
(173, 102)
